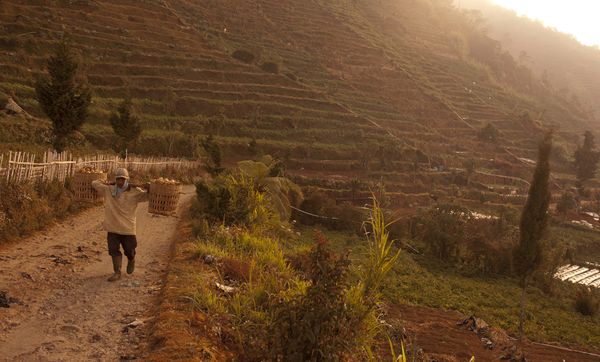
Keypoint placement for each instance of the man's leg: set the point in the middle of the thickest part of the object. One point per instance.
(115, 253)
(129, 243)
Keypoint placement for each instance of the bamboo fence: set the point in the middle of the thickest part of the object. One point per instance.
(22, 166)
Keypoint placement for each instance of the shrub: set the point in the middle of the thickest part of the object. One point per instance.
(443, 228)
(243, 55)
(316, 325)
(453, 234)
(212, 162)
(342, 217)
(489, 133)
(566, 203)
(25, 208)
(270, 67)
(587, 301)
(232, 200)
(347, 217)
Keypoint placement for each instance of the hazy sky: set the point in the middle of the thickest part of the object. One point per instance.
(576, 17)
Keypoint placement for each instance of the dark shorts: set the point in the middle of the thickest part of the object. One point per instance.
(115, 241)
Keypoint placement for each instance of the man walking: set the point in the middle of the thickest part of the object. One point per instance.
(120, 205)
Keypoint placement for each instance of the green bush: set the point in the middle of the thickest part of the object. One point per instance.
(566, 203)
(317, 325)
(279, 314)
(587, 301)
(270, 67)
(342, 217)
(475, 245)
(230, 200)
(25, 208)
(243, 55)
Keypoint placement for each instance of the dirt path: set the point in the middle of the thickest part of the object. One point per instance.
(67, 309)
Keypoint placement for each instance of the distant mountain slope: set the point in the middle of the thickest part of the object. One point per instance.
(573, 68)
(330, 79)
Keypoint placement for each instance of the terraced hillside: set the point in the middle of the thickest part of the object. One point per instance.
(350, 83)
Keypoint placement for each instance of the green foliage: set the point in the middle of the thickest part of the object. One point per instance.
(566, 203)
(243, 55)
(125, 125)
(25, 208)
(212, 162)
(61, 96)
(231, 200)
(381, 256)
(270, 67)
(444, 229)
(489, 133)
(474, 245)
(586, 158)
(281, 192)
(341, 217)
(316, 326)
(470, 167)
(278, 314)
(587, 301)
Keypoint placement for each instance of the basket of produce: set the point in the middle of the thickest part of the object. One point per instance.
(82, 184)
(164, 196)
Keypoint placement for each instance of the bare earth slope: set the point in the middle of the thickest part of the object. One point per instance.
(69, 311)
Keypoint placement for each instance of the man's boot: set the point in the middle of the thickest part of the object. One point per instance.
(130, 265)
(117, 261)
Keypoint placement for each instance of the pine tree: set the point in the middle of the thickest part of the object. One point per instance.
(62, 97)
(586, 159)
(534, 221)
(125, 125)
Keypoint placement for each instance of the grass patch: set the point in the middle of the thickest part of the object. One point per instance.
(424, 281)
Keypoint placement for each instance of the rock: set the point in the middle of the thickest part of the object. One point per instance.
(128, 357)
(476, 325)
(6, 301)
(499, 337)
(225, 288)
(96, 338)
(209, 259)
(513, 354)
(59, 260)
(27, 276)
(132, 284)
(136, 323)
(487, 343)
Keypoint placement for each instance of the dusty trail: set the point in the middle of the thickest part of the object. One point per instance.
(68, 311)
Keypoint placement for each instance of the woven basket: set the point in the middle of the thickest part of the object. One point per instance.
(82, 185)
(163, 198)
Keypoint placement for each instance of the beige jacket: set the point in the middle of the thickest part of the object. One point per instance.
(119, 212)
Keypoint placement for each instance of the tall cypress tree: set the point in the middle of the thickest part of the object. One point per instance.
(64, 100)
(534, 221)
